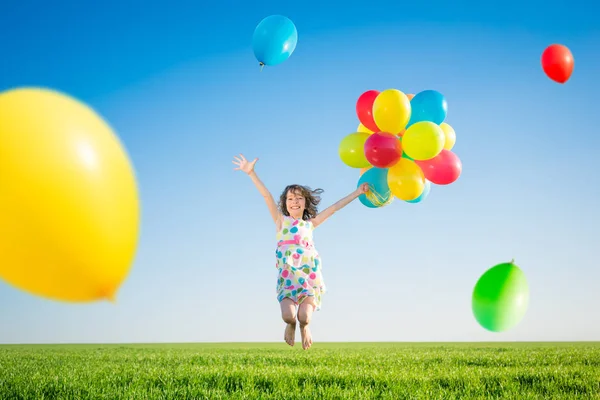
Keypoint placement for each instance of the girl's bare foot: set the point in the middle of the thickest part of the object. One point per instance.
(306, 337)
(290, 334)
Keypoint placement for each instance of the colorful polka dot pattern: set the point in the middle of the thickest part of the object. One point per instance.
(299, 264)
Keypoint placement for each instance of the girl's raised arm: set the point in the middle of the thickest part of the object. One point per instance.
(329, 211)
(248, 168)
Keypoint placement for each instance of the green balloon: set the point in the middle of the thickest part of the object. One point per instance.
(351, 150)
(501, 297)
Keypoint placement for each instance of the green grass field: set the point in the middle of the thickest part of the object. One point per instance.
(326, 371)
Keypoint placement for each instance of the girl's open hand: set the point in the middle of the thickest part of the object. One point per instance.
(243, 164)
(362, 189)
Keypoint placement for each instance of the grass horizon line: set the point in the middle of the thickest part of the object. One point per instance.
(166, 343)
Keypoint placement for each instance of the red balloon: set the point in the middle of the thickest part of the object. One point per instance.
(557, 63)
(442, 169)
(364, 109)
(383, 149)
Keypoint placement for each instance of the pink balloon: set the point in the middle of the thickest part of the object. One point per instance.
(442, 169)
(383, 149)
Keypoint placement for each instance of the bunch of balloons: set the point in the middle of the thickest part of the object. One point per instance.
(69, 206)
(274, 40)
(402, 146)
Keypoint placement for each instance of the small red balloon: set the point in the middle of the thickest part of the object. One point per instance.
(442, 169)
(557, 63)
(364, 109)
(383, 149)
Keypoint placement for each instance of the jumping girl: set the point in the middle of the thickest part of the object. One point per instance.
(300, 283)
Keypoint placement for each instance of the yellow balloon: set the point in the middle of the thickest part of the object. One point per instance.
(351, 150)
(423, 140)
(406, 179)
(450, 136)
(391, 111)
(69, 208)
(362, 128)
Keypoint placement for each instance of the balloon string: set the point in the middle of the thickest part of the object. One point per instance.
(262, 65)
(376, 199)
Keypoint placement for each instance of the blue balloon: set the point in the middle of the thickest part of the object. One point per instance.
(423, 195)
(428, 105)
(380, 194)
(274, 40)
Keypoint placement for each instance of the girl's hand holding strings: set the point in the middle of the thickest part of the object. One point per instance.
(243, 164)
(362, 189)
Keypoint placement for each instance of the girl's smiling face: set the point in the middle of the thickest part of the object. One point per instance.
(295, 204)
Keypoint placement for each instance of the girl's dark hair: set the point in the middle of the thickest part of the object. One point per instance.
(311, 196)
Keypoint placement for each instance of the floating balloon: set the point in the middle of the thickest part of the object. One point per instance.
(443, 169)
(406, 180)
(68, 199)
(449, 134)
(382, 149)
(379, 194)
(362, 128)
(428, 105)
(351, 150)
(558, 63)
(364, 109)
(501, 297)
(423, 140)
(391, 111)
(274, 40)
(423, 195)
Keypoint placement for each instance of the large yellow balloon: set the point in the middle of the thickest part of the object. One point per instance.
(351, 150)
(406, 179)
(450, 136)
(362, 128)
(423, 140)
(391, 111)
(69, 208)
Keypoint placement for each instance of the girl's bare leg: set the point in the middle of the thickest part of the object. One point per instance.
(305, 312)
(288, 314)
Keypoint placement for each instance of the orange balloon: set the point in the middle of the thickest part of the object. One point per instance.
(363, 170)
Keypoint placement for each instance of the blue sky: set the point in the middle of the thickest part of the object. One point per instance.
(181, 87)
